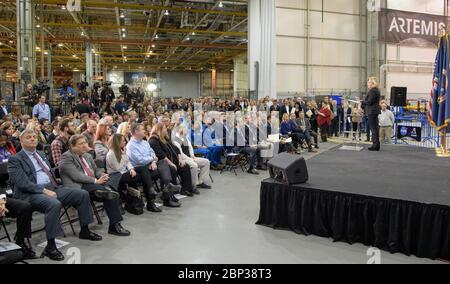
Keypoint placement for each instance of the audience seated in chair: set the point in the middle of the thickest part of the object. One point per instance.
(33, 182)
(199, 166)
(145, 163)
(78, 170)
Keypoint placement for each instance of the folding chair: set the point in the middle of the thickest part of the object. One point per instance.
(232, 163)
(8, 237)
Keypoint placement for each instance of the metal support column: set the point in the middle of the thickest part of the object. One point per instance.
(50, 71)
(89, 65)
(26, 43)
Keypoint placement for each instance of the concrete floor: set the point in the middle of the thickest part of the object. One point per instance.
(217, 227)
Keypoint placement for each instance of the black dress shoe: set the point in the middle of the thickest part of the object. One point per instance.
(106, 194)
(374, 148)
(28, 252)
(173, 198)
(118, 230)
(170, 203)
(187, 193)
(195, 191)
(90, 236)
(53, 254)
(204, 186)
(253, 172)
(261, 168)
(151, 206)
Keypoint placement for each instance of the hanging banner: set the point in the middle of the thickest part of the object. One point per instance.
(413, 29)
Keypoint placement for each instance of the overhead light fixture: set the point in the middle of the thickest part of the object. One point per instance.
(74, 56)
(153, 46)
(82, 33)
(125, 47)
(60, 45)
(63, 7)
(165, 61)
(38, 26)
(45, 52)
(152, 87)
(156, 36)
(151, 51)
(220, 4)
(188, 38)
(122, 15)
(193, 33)
(124, 30)
(124, 35)
(38, 48)
(166, 13)
(11, 42)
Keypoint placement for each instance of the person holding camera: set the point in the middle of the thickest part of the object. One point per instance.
(42, 110)
(29, 97)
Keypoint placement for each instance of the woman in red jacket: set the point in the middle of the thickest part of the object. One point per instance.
(324, 120)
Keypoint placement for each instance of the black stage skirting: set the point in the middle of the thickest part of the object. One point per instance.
(397, 200)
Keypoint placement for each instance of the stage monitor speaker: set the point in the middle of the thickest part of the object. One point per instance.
(399, 96)
(288, 169)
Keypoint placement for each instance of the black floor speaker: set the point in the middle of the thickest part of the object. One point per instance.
(399, 96)
(288, 169)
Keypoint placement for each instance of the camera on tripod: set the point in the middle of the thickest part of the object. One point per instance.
(124, 90)
(41, 87)
(82, 86)
(96, 86)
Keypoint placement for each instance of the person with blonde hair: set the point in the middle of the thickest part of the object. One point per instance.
(125, 130)
(199, 166)
(372, 108)
(165, 150)
(36, 127)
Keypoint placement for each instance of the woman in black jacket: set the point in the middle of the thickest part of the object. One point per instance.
(165, 150)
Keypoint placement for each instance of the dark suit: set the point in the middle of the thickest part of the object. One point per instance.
(73, 175)
(372, 109)
(23, 177)
(2, 112)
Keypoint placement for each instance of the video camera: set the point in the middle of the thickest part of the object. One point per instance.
(82, 86)
(97, 86)
(41, 87)
(124, 89)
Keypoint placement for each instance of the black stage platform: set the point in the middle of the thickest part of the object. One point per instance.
(397, 200)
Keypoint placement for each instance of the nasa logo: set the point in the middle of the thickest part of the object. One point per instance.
(404, 131)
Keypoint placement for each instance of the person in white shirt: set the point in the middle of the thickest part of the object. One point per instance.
(199, 166)
(387, 121)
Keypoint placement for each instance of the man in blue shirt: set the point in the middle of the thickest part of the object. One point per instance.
(67, 93)
(121, 106)
(144, 161)
(42, 110)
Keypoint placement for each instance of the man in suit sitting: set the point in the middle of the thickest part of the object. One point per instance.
(78, 169)
(3, 110)
(22, 210)
(33, 182)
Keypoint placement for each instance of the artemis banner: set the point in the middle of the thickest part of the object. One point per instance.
(415, 29)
